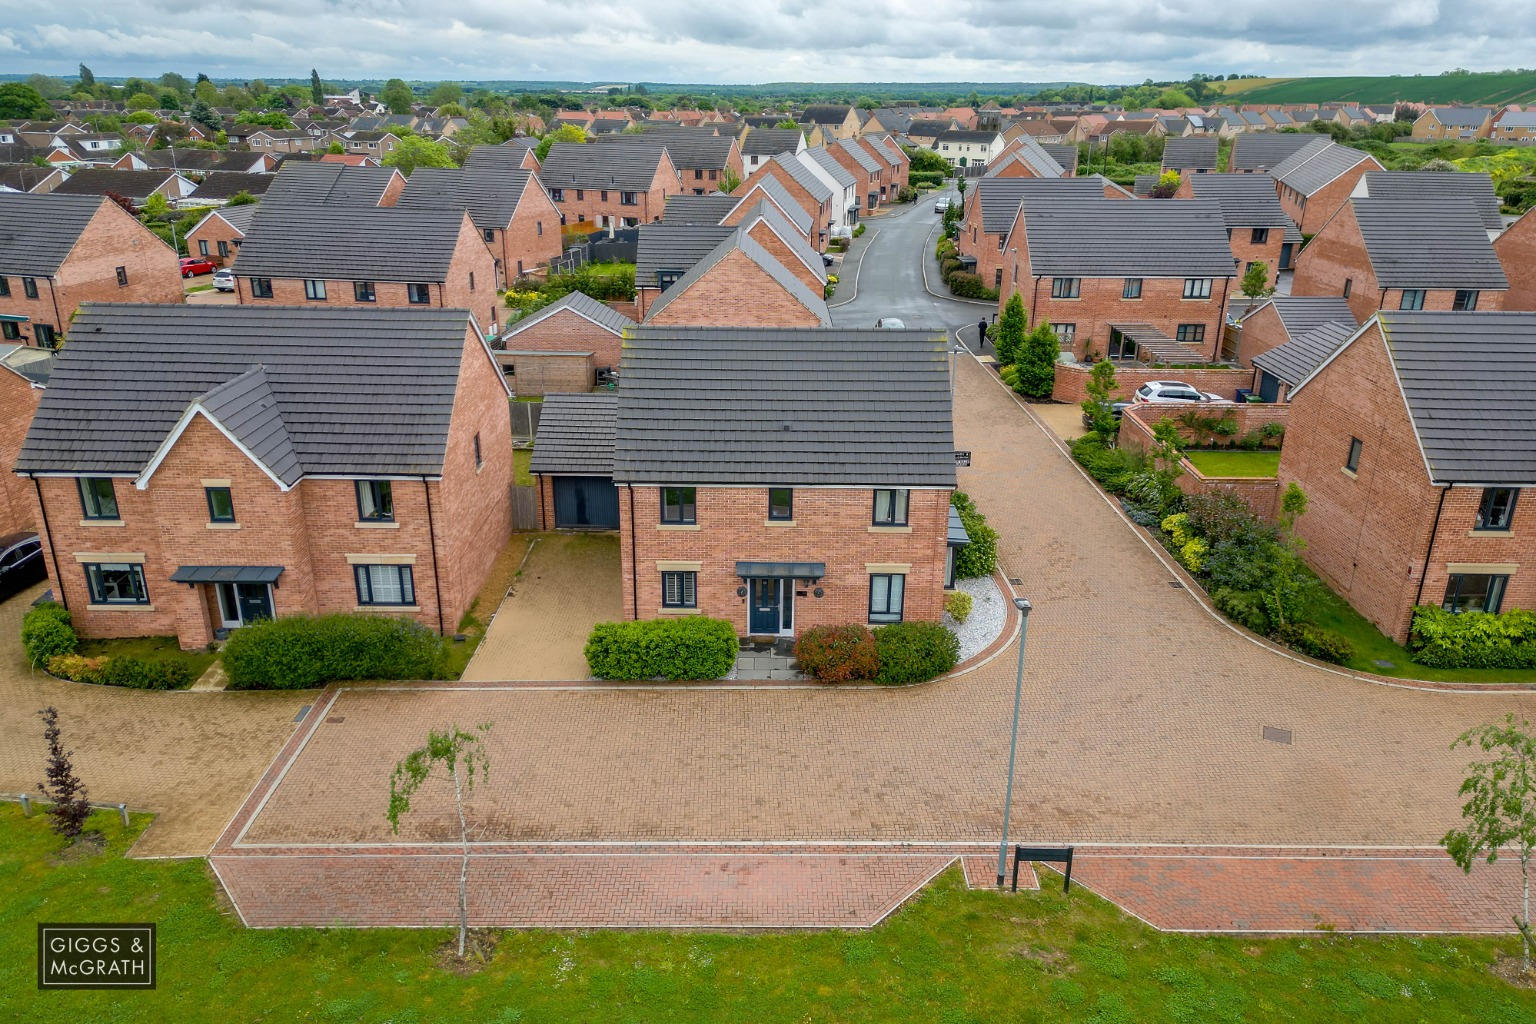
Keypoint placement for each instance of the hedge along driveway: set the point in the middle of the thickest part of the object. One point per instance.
(189, 756)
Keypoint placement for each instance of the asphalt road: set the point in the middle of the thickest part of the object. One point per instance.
(890, 280)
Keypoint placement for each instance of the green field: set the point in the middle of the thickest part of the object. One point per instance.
(1482, 89)
(950, 956)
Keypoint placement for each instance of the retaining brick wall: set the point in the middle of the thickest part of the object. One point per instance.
(1072, 380)
(1136, 422)
(1261, 493)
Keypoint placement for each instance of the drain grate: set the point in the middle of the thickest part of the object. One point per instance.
(1176, 585)
(1380, 663)
(335, 720)
(303, 711)
(1015, 581)
(1277, 735)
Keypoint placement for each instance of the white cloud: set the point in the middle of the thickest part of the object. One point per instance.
(710, 41)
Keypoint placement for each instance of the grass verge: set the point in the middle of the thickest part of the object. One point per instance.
(950, 956)
(1235, 463)
(522, 458)
(152, 648)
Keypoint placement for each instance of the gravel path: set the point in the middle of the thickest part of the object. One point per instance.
(989, 613)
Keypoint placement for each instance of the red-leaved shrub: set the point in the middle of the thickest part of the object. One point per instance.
(838, 654)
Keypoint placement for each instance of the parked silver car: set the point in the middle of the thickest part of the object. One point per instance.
(224, 280)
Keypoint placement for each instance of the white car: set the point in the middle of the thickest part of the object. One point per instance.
(1172, 392)
(224, 280)
(941, 205)
(890, 323)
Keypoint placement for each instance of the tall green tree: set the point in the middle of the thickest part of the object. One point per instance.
(444, 93)
(1099, 406)
(1500, 808)
(87, 79)
(413, 151)
(397, 96)
(142, 101)
(206, 92)
(203, 114)
(565, 133)
(316, 87)
(1009, 339)
(175, 83)
(1255, 284)
(1037, 361)
(19, 102)
(462, 755)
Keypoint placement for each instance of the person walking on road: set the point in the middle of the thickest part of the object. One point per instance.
(981, 334)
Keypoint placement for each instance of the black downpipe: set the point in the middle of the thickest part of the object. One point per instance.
(437, 583)
(1434, 531)
(634, 569)
(52, 552)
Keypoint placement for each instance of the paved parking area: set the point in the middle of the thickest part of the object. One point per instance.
(568, 583)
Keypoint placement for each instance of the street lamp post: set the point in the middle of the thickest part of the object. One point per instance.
(1023, 605)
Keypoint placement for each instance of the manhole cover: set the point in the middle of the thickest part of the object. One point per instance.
(1383, 664)
(1015, 581)
(302, 712)
(338, 719)
(1276, 735)
(1176, 585)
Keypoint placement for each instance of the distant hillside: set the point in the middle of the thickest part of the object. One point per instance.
(1483, 89)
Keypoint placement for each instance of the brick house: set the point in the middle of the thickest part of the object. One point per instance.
(335, 185)
(846, 199)
(1192, 156)
(24, 375)
(991, 211)
(134, 186)
(1403, 254)
(1516, 249)
(1026, 158)
(1475, 187)
(1413, 443)
(283, 140)
(60, 251)
(239, 496)
(1251, 153)
(1517, 127)
(561, 347)
(1258, 228)
(813, 522)
(218, 236)
(836, 121)
(767, 189)
(1279, 319)
(759, 145)
(1461, 123)
(1146, 281)
(857, 161)
(375, 144)
(625, 185)
(1317, 179)
(703, 159)
(742, 282)
(303, 254)
(515, 216)
(896, 166)
(806, 189)
(1277, 371)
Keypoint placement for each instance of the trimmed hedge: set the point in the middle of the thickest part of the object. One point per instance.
(125, 670)
(966, 285)
(925, 178)
(1473, 639)
(46, 633)
(838, 654)
(694, 647)
(914, 652)
(979, 557)
(298, 652)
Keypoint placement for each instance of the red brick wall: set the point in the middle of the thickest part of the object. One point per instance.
(1072, 380)
(1136, 422)
(739, 214)
(568, 332)
(735, 292)
(588, 204)
(1366, 533)
(831, 526)
(766, 237)
(1516, 249)
(396, 185)
(868, 182)
(472, 278)
(533, 237)
(1245, 252)
(821, 212)
(18, 401)
(1311, 212)
(212, 231)
(1262, 331)
(112, 239)
(1262, 495)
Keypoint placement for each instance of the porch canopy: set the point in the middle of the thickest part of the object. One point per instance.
(1153, 346)
(226, 574)
(795, 570)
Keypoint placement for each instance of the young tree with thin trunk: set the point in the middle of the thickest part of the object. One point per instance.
(69, 805)
(1500, 808)
(462, 755)
(1255, 284)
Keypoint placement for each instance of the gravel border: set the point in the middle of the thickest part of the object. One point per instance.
(989, 614)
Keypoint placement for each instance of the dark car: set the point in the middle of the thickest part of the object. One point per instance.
(191, 266)
(21, 563)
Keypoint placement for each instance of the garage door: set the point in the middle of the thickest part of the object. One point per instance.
(1269, 386)
(586, 501)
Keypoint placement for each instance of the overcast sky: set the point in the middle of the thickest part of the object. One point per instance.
(748, 41)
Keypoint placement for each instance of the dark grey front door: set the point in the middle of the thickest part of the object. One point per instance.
(1269, 387)
(255, 601)
(586, 501)
(764, 599)
(1285, 255)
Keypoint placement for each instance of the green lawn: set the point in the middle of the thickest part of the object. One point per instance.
(522, 458)
(1480, 89)
(1235, 463)
(949, 957)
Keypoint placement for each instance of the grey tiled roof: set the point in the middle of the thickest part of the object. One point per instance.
(351, 243)
(38, 231)
(802, 176)
(1000, 197)
(1259, 152)
(237, 217)
(224, 184)
(923, 127)
(689, 209)
(859, 154)
(965, 135)
(1246, 201)
(1070, 237)
(630, 168)
(1428, 243)
(504, 157)
(1302, 314)
(576, 435)
(1475, 187)
(1462, 117)
(98, 181)
(673, 248)
(1294, 360)
(788, 205)
(739, 240)
(1192, 153)
(1309, 169)
(885, 148)
(826, 113)
(827, 162)
(1470, 384)
(580, 304)
(687, 148)
(332, 184)
(356, 390)
(769, 141)
(490, 195)
(790, 407)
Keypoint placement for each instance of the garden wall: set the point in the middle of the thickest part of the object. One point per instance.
(1261, 493)
(632, 310)
(1137, 421)
(1072, 380)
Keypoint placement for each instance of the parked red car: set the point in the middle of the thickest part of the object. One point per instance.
(191, 267)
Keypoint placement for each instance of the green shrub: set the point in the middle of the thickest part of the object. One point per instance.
(1272, 431)
(1316, 642)
(969, 286)
(1010, 375)
(913, 652)
(694, 647)
(297, 652)
(944, 250)
(859, 230)
(837, 654)
(79, 668)
(148, 673)
(958, 604)
(925, 177)
(979, 557)
(1441, 639)
(1114, 468)
(46, 633)
(1251, 441)
(596, 280)
(1244, 607)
